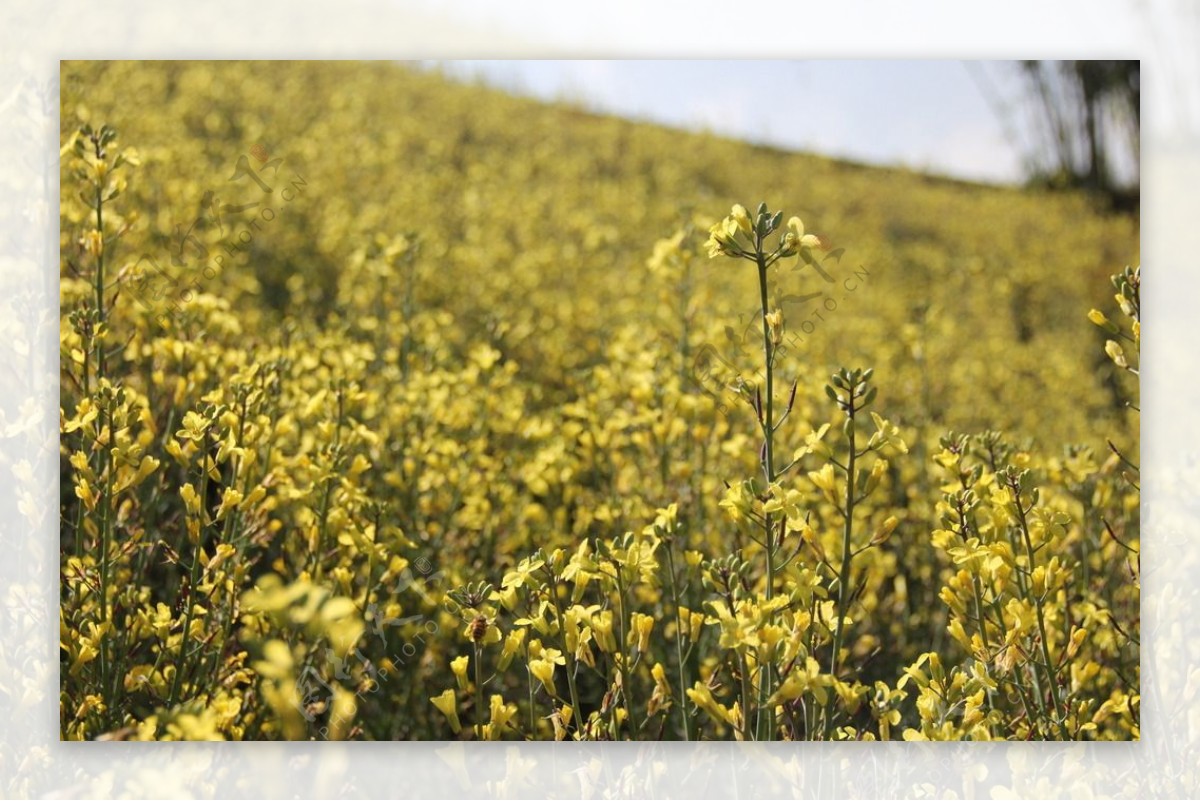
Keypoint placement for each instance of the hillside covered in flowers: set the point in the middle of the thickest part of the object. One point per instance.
(394, 408)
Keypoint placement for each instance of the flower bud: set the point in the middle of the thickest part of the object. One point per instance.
(643, 625)
(93, 243)
(543, 671)
(877, 471)
(884, 531)
(1098, 318)
(191, 500)
(448, 706)
(775, 326)
(459, 667)
(1116, 353)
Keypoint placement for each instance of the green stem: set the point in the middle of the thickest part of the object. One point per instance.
(79, 508)
(847, 554)
(987, 649)
(105, 545)
(407, 343)
(100, 280)
(768, 426)
(747, 734)
(532, 707)
(181, 662)
(1023, 586)
(626, 678)
(105, 451)
(679, 624)
(1037, 602)
(478, 692)
(568, 656)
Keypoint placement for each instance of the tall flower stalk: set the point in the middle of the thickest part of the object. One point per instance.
(739, 236)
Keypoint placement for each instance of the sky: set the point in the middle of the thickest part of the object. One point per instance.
(949, 117)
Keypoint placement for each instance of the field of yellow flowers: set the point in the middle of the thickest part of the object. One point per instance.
(393, 408)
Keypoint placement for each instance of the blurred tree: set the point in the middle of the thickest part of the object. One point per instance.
(1088, 115)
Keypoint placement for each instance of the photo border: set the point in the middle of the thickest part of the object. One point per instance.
(34, 762)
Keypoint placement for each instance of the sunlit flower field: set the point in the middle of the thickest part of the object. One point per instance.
(394, 408)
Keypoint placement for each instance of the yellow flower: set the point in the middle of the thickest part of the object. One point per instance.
(512, 644)
(222, 554)
(795, 238)
(229, 500)
(93, 243)
(602, 630)
(575, 623)
(502, 713)
(91, 703)
(738, 502)
(813, 444)
(737, 632)
(83, 491)
(507, 597)
(448, 706)
(688, 627)
(721, 241)
(741, 218)
(885, 530)
(666, 518)
(1098, 318)
(194, 427)
(523, 575)
(561, 718)
(1116, 353)
(787, 501)
(702, 697)
(695, 624)
(1078, 636)
(775, 326)
(662, 690)
(802, 679)
(543, 671)
(886, 434)
(87, 652)
(1038, 580)
(877, 471)
(191, 500)
(459, 667)
(131, 478)
(640, 628)
(824, 480)
(659, 673)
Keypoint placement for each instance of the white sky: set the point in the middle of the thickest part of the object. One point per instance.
(938, 116)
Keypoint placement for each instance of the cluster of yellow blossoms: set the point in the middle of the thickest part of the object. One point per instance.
(381, 444)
